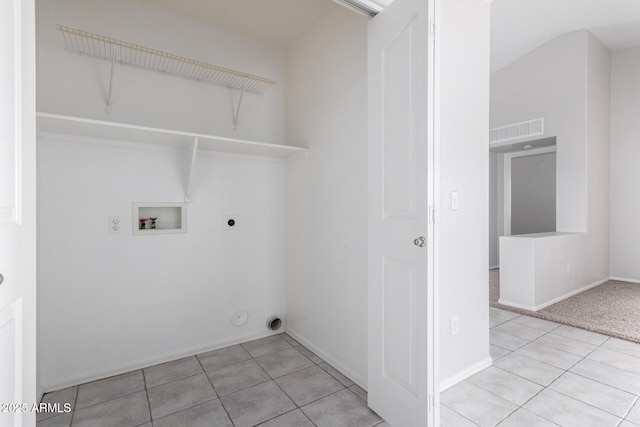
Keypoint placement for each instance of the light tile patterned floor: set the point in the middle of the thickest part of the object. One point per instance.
(546, 374)
(271, 382)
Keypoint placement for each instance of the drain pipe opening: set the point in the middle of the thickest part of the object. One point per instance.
(274, 323)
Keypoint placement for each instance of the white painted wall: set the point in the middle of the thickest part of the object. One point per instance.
(598, 126)
(567, 81)
(550, 82)
(464, 163)
(327, 191)
(159, 297)
(77, 86)
(540, 269)
(625, 174)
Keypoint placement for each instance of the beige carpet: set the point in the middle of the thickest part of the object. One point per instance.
(612, 308)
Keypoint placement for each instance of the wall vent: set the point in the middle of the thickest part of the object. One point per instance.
(517, 130)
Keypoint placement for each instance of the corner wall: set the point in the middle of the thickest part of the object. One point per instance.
(567, 81)
(598, 97)
(111, 303)
(550, 82)
(75, 85)
(327, 191)
(464, 167)
(625, 174)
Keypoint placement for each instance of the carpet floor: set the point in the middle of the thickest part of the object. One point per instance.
(612, 308)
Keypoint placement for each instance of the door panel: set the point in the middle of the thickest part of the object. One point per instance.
(17, 211)
(400, 340)
(401, 315)
(399, 124)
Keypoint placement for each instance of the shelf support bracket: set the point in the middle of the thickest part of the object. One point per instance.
(235, 111)
(113, 66)
(192, 151)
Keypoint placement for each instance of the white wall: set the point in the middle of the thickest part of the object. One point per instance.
(158, 297)
(550, 82)
(77, 85)
(327, 191)
(625, 174)
(464, 162)
(567, 81)
(598, 126)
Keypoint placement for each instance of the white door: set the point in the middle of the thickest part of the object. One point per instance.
(17, 213)
(401, 315)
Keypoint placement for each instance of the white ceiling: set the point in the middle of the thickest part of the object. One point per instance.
(276, 21)
(519, 26)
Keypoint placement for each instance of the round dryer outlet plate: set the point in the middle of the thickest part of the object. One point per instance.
(239, 318)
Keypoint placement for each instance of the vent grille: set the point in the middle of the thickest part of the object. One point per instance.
(517, 130)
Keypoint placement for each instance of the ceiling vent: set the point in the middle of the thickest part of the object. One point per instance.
(516, 131)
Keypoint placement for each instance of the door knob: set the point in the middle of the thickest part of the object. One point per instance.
(1, 279)
(420, 241)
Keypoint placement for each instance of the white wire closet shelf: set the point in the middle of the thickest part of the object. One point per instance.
(125, 53)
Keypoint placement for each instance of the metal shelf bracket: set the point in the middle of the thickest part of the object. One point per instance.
(235, 111)
(107, 109)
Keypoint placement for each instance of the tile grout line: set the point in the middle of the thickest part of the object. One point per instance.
(75, 405)
(566, 371)
(297, 407)
(146, 392)
(453, 410)
(224, 408)
(630, 408)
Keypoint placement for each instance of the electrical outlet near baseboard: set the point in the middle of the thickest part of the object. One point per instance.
(114, 225)
(455, 325)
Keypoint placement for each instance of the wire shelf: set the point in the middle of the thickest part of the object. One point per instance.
(125, 53)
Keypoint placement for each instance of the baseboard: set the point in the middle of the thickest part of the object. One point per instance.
(145, 363)
(624, 279)
(515, 305)
(555, 300)
(344, 370)
(465, 373)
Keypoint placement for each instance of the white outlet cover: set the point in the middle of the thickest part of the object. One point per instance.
(114, 224)
(228, 220)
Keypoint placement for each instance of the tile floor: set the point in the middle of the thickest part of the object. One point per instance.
(271, 382)
(546, 374)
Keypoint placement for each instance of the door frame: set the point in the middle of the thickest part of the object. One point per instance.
(507, 181)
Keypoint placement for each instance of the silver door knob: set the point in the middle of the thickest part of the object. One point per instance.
(1, 279)
(420, 241)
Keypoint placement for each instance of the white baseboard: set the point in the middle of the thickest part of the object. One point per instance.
(624, 279)
(555, 300)
(98, 374)
(465, 373)
(344, 370)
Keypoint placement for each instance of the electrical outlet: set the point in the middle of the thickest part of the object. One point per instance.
(231, 222)
(114, 224)
(455, 201)
(455, 325)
